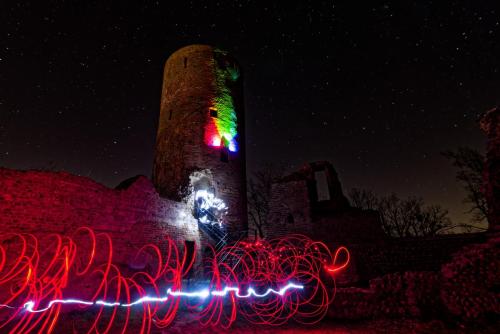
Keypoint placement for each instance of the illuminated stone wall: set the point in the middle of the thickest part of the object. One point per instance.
(48, 202)
(201, 127)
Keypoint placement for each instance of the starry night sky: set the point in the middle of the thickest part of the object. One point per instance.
(379, 90)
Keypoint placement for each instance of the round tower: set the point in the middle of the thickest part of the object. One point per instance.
(200, 144)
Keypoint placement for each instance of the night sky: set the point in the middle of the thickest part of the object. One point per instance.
(379, 90)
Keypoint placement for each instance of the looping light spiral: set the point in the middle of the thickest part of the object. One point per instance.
(265, 282)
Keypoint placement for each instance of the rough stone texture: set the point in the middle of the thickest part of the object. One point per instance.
(490, 124)
(47, 202)
(327, 326)
(471, 282)
(295, 207)
(463, 290)
(392, 255)
(337, 201)
(409, 294)
(290, 211)
(187, 94)
(351, 225)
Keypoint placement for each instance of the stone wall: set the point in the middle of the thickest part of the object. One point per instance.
(391, 255)
(463, 288)
(290, 210)
(349, 226)
(133, 215)
(190, 85)
(294, 207)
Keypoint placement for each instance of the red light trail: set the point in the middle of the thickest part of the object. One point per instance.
(265, 282)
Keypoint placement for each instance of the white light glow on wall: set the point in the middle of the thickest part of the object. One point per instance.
(209, 209)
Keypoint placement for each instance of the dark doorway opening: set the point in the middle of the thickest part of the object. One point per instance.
(189, 248)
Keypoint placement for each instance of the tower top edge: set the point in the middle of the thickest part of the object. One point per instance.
(203, 50)
(191, 48)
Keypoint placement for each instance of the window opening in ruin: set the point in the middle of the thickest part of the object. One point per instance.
(322, 190)
(224, 155)
(185, 62)
(170, 115)
(289, 219)
(213, 112)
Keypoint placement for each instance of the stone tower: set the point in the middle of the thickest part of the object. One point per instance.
(200, 142)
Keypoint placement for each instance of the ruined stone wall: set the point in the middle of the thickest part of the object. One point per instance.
(374, 259)
(189, 89)
(47, 202)
(290, 210)
(351, 225)
(463, 285)
(294, 209)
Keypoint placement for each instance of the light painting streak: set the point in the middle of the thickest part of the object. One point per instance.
(205, 293)
(265, 282)
(31, 304)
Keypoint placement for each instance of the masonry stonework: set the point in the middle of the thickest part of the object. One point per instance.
(193, 79)
(298, 205)
(133, 215)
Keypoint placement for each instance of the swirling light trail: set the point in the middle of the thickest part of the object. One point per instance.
(265, 282)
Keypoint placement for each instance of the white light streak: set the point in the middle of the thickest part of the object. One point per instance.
(203, 293)
(199, 294)
(30, 305)
(146, 300)
(101, 302)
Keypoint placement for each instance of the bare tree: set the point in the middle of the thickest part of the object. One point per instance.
(470, 165)
(258, 195)
(362, 198)
(403, 217)
(431, 220)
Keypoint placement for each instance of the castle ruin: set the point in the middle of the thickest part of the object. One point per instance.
(197, 195)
